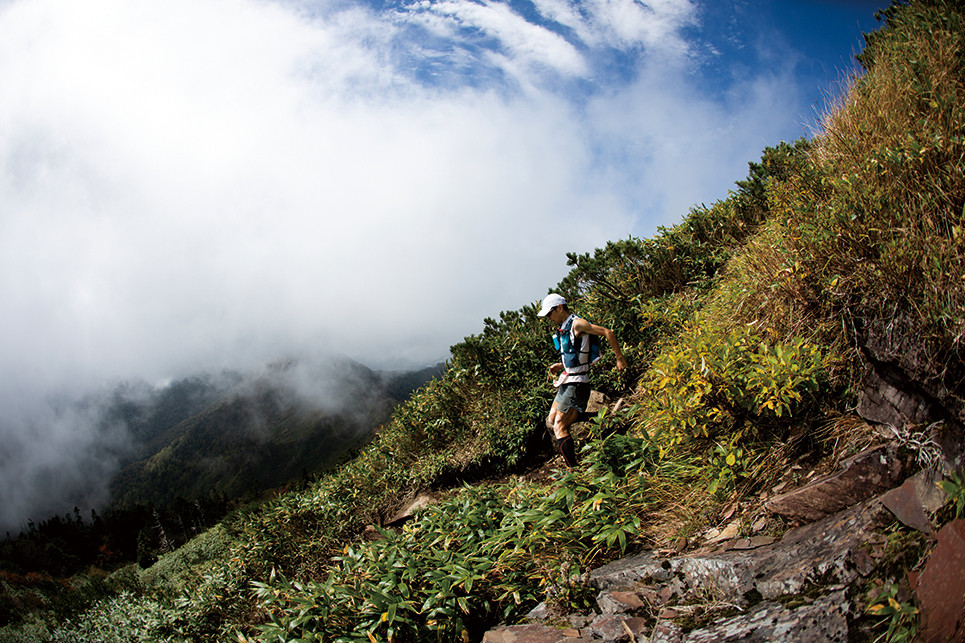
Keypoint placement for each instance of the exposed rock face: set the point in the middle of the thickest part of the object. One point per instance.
(941, 587)
(819, 622)
(913, 500)
(829, 549)
(913, 386)
(863, 476)
(792, 590)
(407, 511)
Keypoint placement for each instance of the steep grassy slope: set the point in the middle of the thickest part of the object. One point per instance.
(747, 327)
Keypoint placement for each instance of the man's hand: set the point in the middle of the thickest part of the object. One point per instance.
(621, 363)
(556, 368)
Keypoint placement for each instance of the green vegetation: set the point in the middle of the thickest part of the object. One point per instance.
(899, 616)
(954, 488)
(743, 326)
(489, 552)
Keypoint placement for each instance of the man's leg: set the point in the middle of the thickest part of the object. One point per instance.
(571, 399)
(564, 441)
(560, 425)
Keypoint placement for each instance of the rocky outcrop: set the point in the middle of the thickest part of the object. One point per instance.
(913, 386)
(830, 550)
(862, 476)
(408, 510)
(915, 499)
(811, 585)
(940, 588)
(801, 588)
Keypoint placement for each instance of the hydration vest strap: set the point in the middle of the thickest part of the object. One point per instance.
(578, 353)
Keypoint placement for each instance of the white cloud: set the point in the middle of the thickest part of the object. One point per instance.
(207, 183)
(656, 25)
(567, 14)
(204, 167)
(675, 147)
(625, 24)
(526, 42)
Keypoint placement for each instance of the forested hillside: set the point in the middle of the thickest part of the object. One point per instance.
(753, 329)
(197, 448)
(240, 434)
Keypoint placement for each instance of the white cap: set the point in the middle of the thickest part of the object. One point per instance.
(550, 302)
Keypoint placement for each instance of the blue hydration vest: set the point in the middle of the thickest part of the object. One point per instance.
(578, 353)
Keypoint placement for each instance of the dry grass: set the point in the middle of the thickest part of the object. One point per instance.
(766, 287)
(847, 434)
(891, 182)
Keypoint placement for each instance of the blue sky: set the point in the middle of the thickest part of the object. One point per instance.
(195, 184)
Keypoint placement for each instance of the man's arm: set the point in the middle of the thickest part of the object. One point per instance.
(580, 325)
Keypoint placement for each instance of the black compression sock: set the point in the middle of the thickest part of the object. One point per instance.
(565, 446)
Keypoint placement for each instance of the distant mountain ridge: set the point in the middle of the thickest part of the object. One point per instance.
(192, 449)
(239, 434)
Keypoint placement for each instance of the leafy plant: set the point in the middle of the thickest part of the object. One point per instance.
(727, 464)
(901, 617)
(955, 488)
(124, 619)
(711, 382)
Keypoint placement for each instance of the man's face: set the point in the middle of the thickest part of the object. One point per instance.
(557, 315)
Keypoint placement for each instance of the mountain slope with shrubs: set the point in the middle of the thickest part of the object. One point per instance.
(247, 433)
(749, 327)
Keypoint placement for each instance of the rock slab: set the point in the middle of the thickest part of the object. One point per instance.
(941, 587)
(729, 594)
(862, 476)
